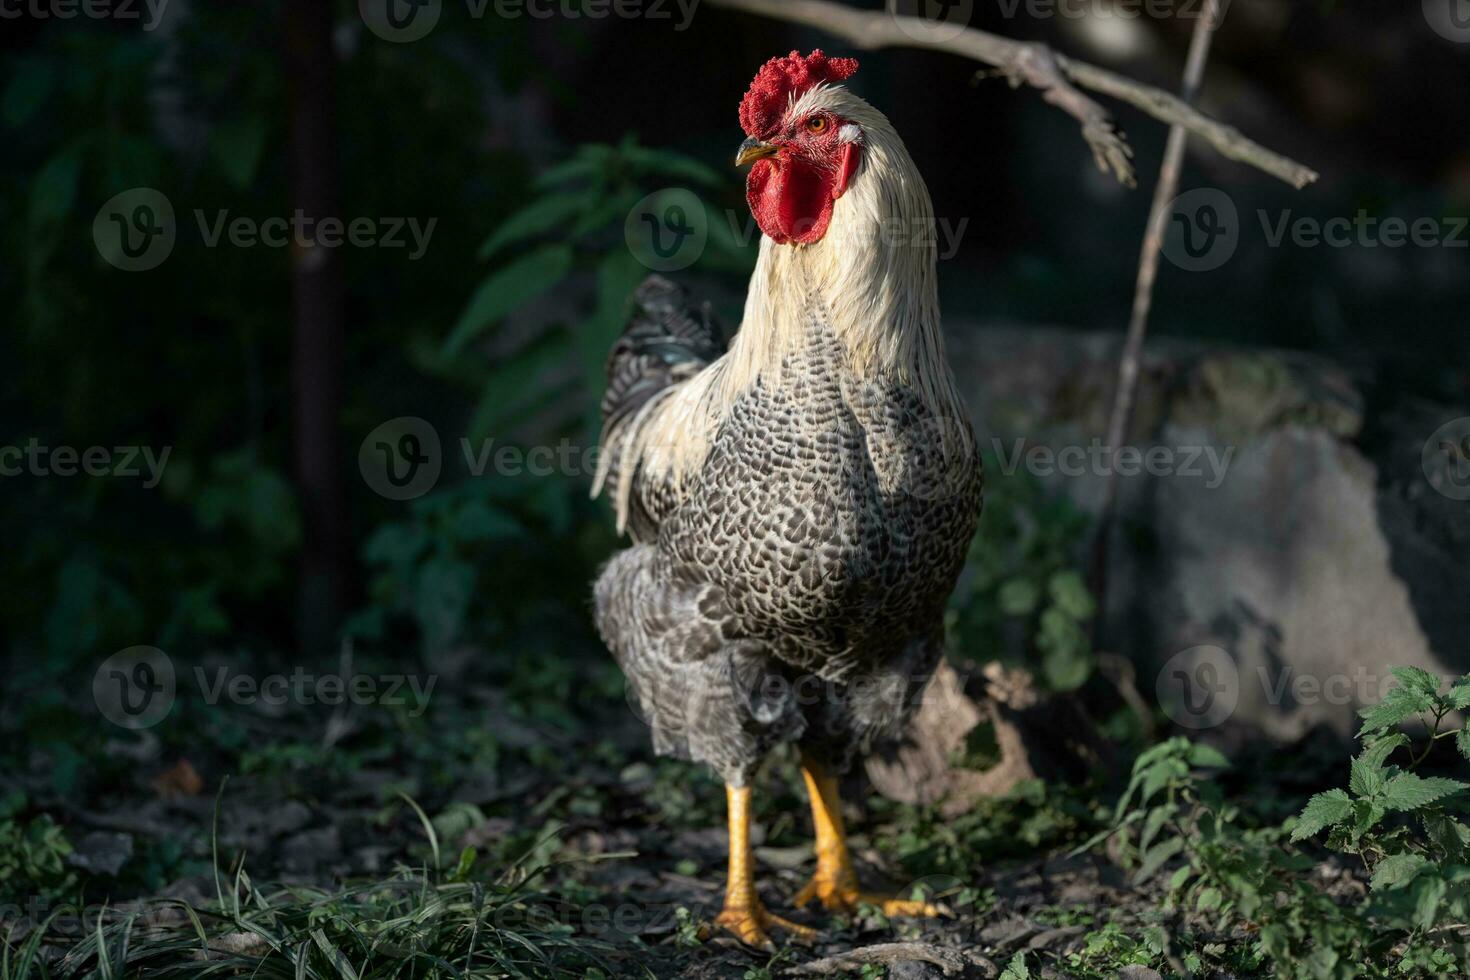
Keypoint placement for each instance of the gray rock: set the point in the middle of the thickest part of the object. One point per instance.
(101, 852)
(309, 850)
(1289, 546)
(913, 970)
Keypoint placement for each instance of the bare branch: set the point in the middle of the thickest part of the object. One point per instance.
(1148, 271)
(1056, 76)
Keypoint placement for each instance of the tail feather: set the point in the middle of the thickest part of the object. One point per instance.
(667, 341)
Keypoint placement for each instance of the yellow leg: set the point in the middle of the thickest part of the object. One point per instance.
(835, 883)
(744, 915)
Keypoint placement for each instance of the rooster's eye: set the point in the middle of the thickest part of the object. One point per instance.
(817, 124)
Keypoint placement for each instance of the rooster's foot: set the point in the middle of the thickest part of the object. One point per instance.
(752, 925)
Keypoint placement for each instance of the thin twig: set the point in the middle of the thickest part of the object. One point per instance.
(1056, 76)
(1148, 272)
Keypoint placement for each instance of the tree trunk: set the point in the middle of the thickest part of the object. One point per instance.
(316, 282)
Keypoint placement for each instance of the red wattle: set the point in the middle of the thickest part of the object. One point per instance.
(791, 198)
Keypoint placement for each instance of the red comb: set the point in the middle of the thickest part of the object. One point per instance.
(781, 79)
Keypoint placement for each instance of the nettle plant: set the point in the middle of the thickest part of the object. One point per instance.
(1228, 879)
(1421, 866)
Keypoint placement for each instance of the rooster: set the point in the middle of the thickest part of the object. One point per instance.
(799, 504)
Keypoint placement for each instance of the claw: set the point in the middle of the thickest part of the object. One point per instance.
(835, 882)
(752, 924)
(844, 897)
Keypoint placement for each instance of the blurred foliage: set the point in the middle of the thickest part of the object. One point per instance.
(1227, 878)
(192, 357)
(573, 229)
(33, 853)
(1033, 816)
(1021, 596)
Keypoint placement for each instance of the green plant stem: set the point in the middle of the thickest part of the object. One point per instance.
(1433, 735)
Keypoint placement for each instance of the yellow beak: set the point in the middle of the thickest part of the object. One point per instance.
(752, 150)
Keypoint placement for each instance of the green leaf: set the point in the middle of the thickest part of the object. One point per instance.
(1159, 775)
(442, 597)
(604, 212)
(27, 91)
(1066, 657)
(1208, 900)
(237, 147)
(1069, 594)
(1155, 857)
(395, 544)
(1447, 834)
(617, 276)
(1366, 814)
(54, 188)
(664, 163)
(466, 863)
(1428, 894)
(1016, 969)
(1397, 870)
(541, 215)
(1365, 779)
(1179, 878)
(1462, 741)
(508, 288)
(1018, 597)
(517, 386)
(1376, 752)
(1409, 791)
(1207, 757)
(1459, 695)
(1322, 810)
(483, 522)
(1416, 679)
(1398, 705)
(591, 161)
(1157, 818)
